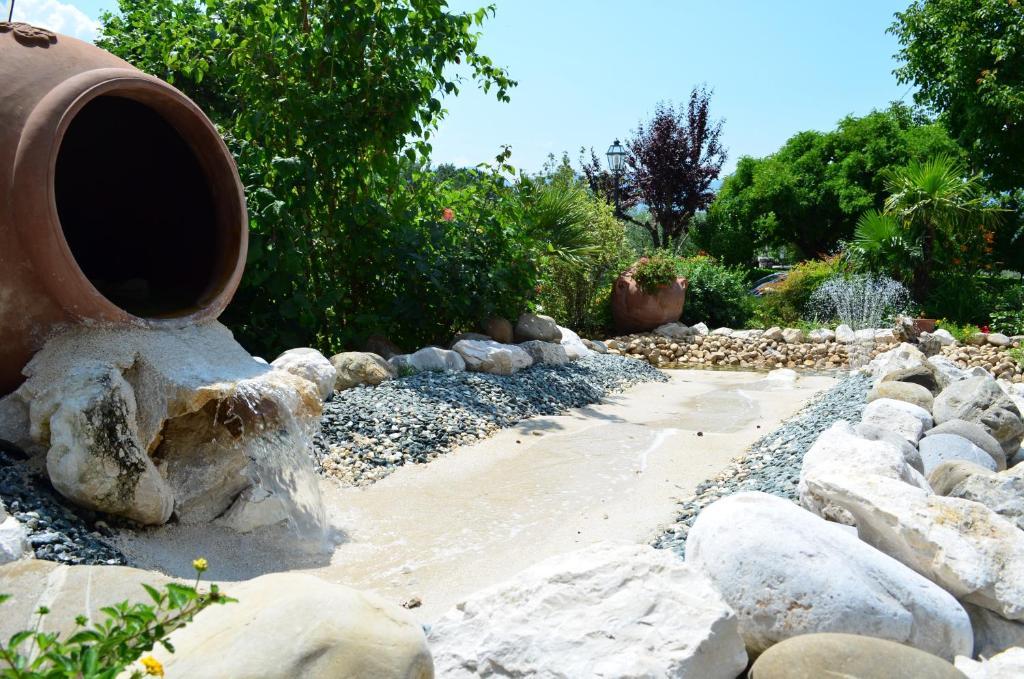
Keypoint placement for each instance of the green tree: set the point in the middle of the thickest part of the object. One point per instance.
(326, 106)
(966, 58)
(810, 193)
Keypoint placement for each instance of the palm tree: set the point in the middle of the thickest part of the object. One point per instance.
(938, 205)
(881, 243)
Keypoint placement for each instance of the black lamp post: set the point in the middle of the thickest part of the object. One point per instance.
(616, 163)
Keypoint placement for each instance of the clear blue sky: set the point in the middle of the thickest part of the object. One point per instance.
(589, 70)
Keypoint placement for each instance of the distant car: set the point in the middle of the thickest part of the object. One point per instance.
(764, 285)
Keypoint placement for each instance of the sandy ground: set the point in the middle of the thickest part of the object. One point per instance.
(438, 532)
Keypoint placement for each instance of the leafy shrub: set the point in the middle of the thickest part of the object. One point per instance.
(1016, 355)
(655, 272)
(787, 301)
(961, 332)
(717, 294)
(107, 648)
(1008, 313)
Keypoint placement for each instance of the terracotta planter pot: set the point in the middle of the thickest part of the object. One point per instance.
(636, 311)
(120, 202)
(924, 324)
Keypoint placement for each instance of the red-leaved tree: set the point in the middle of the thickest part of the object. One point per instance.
(672, 162)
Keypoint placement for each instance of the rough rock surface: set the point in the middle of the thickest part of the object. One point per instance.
(976, 434)
(1003, 493)
(848, 656)
(899, 358)
(845, 334)
(574, 347)
(992, 632)
(537, 327)
(899, 417)
(1007, 665)
(903, 391)
(948, 475)
(875, 433)
(605, 611)
(360, 367)
(546, 353)
(675, 331)
(787, 572)
(940, 448)
(499, 330)
(963, 546)
(139, 422)
(428, 358)
(311, 365)
(491, 357)
(841, 450)
(979, 399)
(13, 538)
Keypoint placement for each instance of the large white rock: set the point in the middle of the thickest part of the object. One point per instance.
(573, 345)
(906, 419)
(13, 538)
(939, 448)
(945, 338)
(1007, 665)
(787, 572)
(908, 450)
(722, 332)
(605, 611)
(702, 328)
(976, 434)
(536, 327)
(491, 357)
(138, 422)
(793, 336)
(840, 450)
(1003, 493)
(979, 399)
(821, 335)
(355, 368)
(309, 364)
(845, 334)
(948, 369)
(546, 353)
(899, 358)
(963, 546)
(773, 334)
(433, 359)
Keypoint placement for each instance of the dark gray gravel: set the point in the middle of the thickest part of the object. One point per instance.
(367, 431)
(772, 464)
(56, 531)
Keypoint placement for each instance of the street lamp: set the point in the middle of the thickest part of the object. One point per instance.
(616, 163)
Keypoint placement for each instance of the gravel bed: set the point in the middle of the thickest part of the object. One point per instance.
(772, 464)
(56, 531)
(368, 431)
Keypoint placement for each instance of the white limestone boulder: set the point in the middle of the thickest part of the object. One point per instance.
(574, 347)
(311, 365)
(899, 358)
(963, 546)
(840, 450)
(605, 611)
(722, 332)
(432, 359)
(491, 357)
(821, 336)
(979, 399)
(793, 336)
(945, 338)
(773, 334)
(845, 334)
(13, 538)
(787, 572)
(874, 433)
(1007, 665)
(907, 392)
(905, 419)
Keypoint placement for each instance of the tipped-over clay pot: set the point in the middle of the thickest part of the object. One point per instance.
(118, 200)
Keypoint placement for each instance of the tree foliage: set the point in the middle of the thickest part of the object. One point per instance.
(966, 58)
(810, 193)
(326, 106)
(672, 162)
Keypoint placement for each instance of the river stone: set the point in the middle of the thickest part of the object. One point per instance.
(433, 359)
(940, 448)
(850, 656)
(945, 337)
(547, 353)
(574, 347)
(924, 374)
(702, 328)
(875, 433)
(537, 327)
(948, 475)
(840, 450)
(360, 367)
(605, 611)
(821, 336)
(793, 336)
(722, 332)
(979, 399)
(899, 417)
(963, 546)
(976, 434)
(998, 339)
(845, 334)
(596, 345)
(311, 365)
(773, 334)
(787, 572)
(499, 330)
(492, 357)
(1007, 665)
(902, 391)
(675, 331)
(992, 632)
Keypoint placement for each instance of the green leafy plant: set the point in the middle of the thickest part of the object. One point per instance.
(716, 294)
(1016, 355)
(1008, 322)
(961, 332)
(655, 272)
(786, 303)
(105, 649)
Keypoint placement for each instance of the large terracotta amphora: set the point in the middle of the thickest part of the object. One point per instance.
(637, 311)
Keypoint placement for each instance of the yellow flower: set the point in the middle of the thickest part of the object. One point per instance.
(200, 565)
(153, 666)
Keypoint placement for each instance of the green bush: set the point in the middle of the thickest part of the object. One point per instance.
(655, 272)
(716, 294)
(1008, 313)
(786, 304)
(961, 332)
(106, 649)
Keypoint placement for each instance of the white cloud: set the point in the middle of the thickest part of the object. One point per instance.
(56, 16)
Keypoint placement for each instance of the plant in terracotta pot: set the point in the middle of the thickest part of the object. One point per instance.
(649, 294)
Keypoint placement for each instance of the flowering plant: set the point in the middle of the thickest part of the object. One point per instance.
(105, 649)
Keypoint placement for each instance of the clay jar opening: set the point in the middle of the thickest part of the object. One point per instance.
(147, 206)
